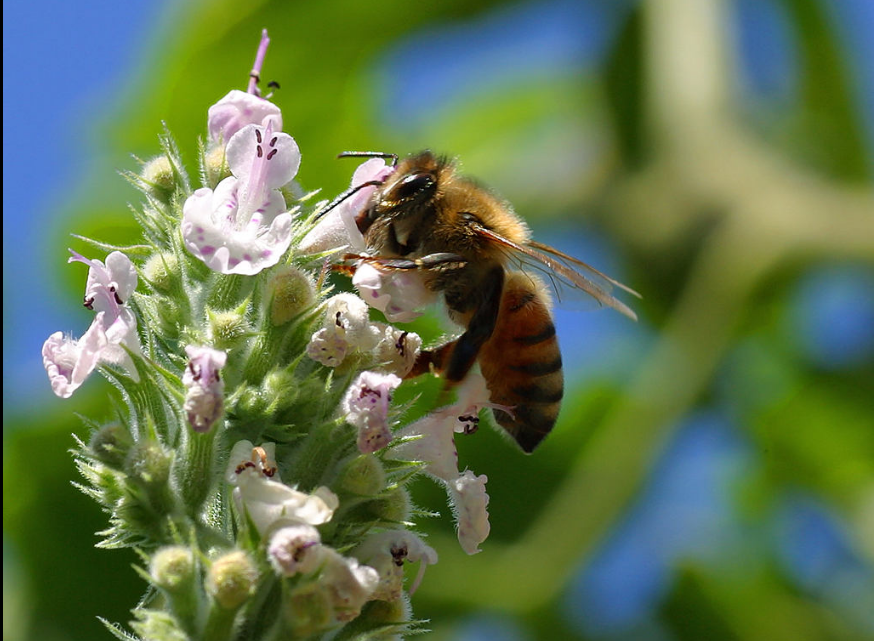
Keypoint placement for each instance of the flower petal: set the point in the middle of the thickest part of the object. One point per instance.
(68, 362)
(264, 157)
(398, 295)
(230, 242)
(469, 500)
(238, 109)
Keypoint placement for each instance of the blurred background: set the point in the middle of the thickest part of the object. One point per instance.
(712, 472)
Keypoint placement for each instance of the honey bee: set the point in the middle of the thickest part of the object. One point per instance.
(465, 241)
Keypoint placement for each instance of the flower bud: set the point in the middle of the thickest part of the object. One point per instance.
(110, 444)
(280, 389)
(215, 166)
(393, 506)
(227, 329)
(379, 613)
(148, 463)
(290, 292)
(232, 579)
(361, 475)
(172, 568)
(162, 271)
(159, 178)
(309, 609)
(251, 404)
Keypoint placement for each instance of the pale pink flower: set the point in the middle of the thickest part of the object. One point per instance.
(243, 226)
(366, 406)
(204, 397)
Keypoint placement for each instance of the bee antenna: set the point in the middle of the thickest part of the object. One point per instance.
(369, 154)
(348, 194)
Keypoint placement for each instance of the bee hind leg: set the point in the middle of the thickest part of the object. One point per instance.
(454, 359)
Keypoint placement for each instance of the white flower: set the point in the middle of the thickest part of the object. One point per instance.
(204, 397)
(469, 500)
(400, 295)
(295, 548)
(67, 361)
(108, 286)
(349, 583)
(243, 226)
(238, 109)
(397, 350)
(386, 552)
(337, 229)
(268, 501)
(327, 347)
(432, 440)
(346, 328)
(365, 406)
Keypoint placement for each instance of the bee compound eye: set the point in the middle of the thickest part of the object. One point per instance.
(413, 185)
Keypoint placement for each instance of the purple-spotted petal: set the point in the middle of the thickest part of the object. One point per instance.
(263, 158)
(108, 286)
(232, 241)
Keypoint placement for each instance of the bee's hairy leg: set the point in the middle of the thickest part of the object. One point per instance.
(431, 360)
(442, 261)
(480, 327)
(455, 358)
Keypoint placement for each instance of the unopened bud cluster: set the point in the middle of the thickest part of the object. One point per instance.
(256, 461)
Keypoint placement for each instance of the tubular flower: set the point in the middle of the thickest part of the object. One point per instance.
(349, 583)
(295, 549)
(204, 398)
(67, 361)
(243, 226)
(346, 328)
(366, 407)
(432, 440)
(267, 500)
(238, 109)
(386, 552)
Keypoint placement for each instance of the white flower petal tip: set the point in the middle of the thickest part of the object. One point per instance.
(238, 109)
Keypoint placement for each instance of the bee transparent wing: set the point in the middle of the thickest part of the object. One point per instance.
(563, 271)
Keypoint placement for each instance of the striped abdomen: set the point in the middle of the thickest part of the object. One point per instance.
(521, 362)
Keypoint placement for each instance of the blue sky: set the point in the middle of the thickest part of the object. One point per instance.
(61, 61)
